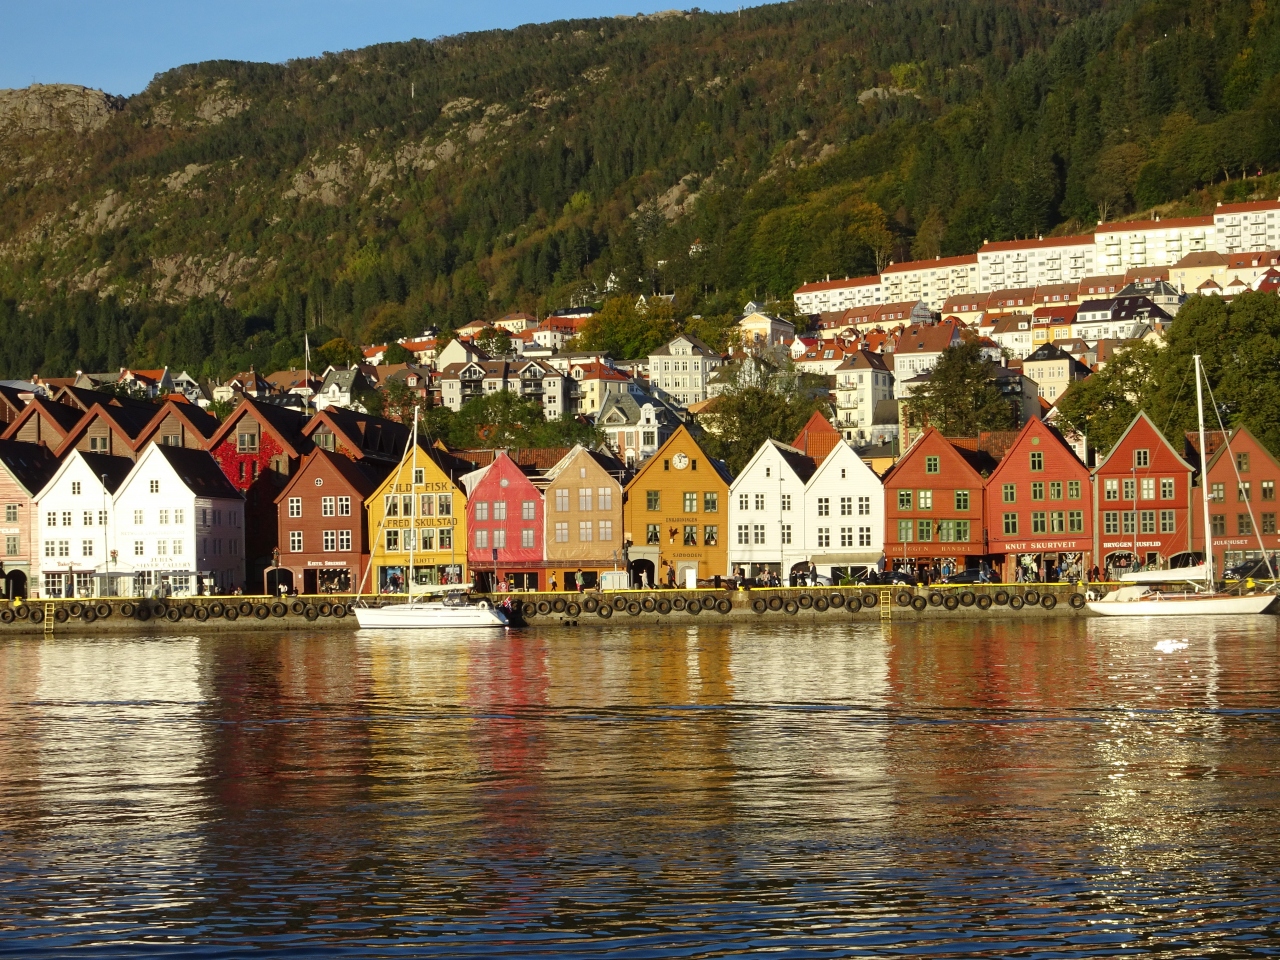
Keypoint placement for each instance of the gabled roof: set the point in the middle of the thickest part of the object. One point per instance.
(1033, 426)
(198, 471)
(816, 438)
(61, 417)
(1141, 417)
(115, 469)
(536, 459)
(802, 466)
(124, 423)
(605, 460)
(362, 433)
(30, 464)
(203, 424)
(284, 423)
(364, 476)
(718, 466)
(974, 460)
(698, 345)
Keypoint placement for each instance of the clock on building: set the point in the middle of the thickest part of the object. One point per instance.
(680, 461)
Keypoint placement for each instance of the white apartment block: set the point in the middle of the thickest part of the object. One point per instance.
(862, 381)
(680, 370)
(932, 281)
(1150, 243)
(827, 296)
(1247, 227)
(1013, 264)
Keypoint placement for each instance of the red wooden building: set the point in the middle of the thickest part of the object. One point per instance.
(1243, 476)
(505, 514)
(1040, 505)
(933, 501)
(1142, 500)
(259, 447)
(324, 536)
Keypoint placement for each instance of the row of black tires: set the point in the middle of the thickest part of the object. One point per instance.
(605, 608)
(144, 610)
(984, 601)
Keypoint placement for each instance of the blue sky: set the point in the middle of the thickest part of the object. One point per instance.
(120, 46)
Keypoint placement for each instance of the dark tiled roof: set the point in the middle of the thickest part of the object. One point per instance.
(115, 469)
(32, 464)
(200, 472)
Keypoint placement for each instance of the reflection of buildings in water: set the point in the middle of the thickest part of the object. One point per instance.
(22, 718)
(813, 724)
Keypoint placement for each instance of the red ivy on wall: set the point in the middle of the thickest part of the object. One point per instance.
(229, 459)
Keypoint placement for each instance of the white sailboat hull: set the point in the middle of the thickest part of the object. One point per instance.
(429, 616)
(1190, 606)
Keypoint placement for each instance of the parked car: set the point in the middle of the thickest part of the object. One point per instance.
(972, 575)
(1255, 569)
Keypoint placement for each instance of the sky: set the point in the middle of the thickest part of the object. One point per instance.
(120, 46)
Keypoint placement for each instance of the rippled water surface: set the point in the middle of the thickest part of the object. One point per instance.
(1048, 789)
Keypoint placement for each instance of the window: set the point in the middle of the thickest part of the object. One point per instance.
(1242, 462)
(295, 541)
(75, 488)
(88, 518)
(930, 464)
(391, 504)
(1039, 522)
(924, 499)
(710, 535)
(690, 503)
(1111, 489)
(11, 513)
(446, 538)
(1057, 522)
(1075, 521)
(1128, 522)
(864, 506)
(86, 548)
(499, 509)
(526, 537)
(604, 497)
(482, 509)
(584, 531)
(1148, 488)
(178, 516)
(246, 443)
(164, 518)
(1130, 489)
(711, 503)
(344, 540)
(651, 533)
(1268, 523)
(562, 532)
(1037, 490)
(66, 518)
(1244, 491)
(1009, 493)
(846, 506)
(864, 536)
(1073, 489)
(482, 539)
(786, 534)
(155, 486)
(98, 444)
(1055, 489)
(102, 518)
(744, 535)
(500, 539)
(744, 501)
(584, 498)
(1148, 520)
(393, 540)
(605, 530)
(904, 499)
(1218, 492)
(690, 535)
(344, 507)
(953, 531)
(328, 506)
(824, 536)
(295, 507)
(757, 533)
(1010, 524)
(924, 530)
(329, 540)
(649, 437)
(653, 499)
(1111, 522)
(906, 529)
(962, 499)
(137, 548)
(562, 501)
(824, 506)
(444, 505)
(51, 518)
(1168, 521)
(1142, 458)
(1268, 489)
(12, 545)
(1037, 461)
(759, 501)
(1244, 525)
(1166, 488)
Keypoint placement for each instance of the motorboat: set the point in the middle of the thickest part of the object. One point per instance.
(454, 609)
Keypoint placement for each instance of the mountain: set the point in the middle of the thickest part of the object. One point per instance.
(209, 220)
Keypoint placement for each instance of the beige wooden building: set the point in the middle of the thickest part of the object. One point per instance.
(583, 510)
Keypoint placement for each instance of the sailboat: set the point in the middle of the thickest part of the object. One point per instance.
(1192, 590)
(438, 607)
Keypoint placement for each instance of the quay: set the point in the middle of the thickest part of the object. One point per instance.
(128, 615)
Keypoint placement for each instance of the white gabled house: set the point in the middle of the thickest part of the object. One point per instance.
(74, 528)
(844, 514)
(179, 525)
(766, 511)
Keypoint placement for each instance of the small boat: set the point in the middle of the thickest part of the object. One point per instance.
(1190, 591)
(454, 609)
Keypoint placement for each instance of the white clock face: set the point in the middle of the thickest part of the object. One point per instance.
(680, 461)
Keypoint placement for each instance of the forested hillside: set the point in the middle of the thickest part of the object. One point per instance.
(207, 221)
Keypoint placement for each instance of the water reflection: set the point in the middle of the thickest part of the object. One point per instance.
(1005, 787)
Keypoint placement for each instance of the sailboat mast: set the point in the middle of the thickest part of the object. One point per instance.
(1204, 479)
(413, 503)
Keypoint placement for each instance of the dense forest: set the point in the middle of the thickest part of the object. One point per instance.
(370, 194)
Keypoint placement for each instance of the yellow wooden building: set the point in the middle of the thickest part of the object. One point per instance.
(677, 513)
(419, 510)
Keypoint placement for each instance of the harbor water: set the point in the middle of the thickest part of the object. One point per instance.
(1039, 788)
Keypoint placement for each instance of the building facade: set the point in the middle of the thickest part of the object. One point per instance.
(583, 511)
(1242, 480)
(25, 468)
(505, 521)
(766, 511)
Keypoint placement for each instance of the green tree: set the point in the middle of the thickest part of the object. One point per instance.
(338, 352)
(505, 419)
(625, 332)
(396, 353)
(960, 397)
(494, 341)
(1102, 406)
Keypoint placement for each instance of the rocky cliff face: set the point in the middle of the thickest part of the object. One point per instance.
(54, 108)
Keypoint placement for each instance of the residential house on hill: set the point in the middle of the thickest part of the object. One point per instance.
(862, 381)
(635, 427)
(918, 348)
(758, 329)
(680, 370)
(1053, 370)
